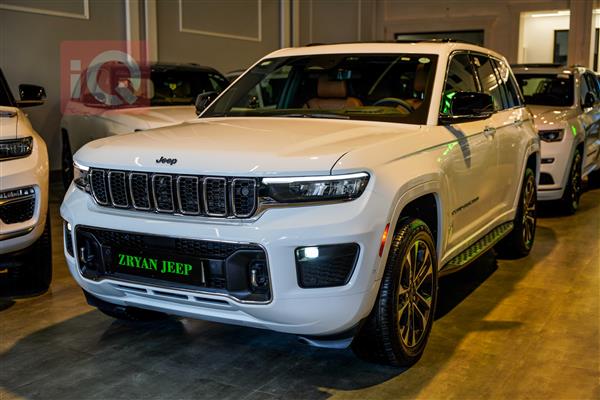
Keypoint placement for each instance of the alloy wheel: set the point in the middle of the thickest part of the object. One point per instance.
(415, 294)
(529, 212)
(575, 181)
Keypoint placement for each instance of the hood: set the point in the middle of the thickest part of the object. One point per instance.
(150, 117)
(241, 146)
(9, 121)
(551, 117)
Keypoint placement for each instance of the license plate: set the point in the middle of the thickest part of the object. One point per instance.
(164, 267)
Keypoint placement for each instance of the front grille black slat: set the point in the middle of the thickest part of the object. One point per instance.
(162, 189)
(215, 196)
(169, 193)
(117, 187)
(98, 181)
(244, 196)
(140, 192)
(188, 195)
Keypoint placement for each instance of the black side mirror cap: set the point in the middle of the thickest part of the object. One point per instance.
(31, 95)
(203, 100)
(467, 106)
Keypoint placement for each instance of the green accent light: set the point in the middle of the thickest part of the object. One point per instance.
(574, 130)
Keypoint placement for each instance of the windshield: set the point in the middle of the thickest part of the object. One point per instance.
(176, 87)
(155, 86)
(547, 89)
(388, 87)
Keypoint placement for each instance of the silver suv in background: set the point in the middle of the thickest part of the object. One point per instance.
(565, 102)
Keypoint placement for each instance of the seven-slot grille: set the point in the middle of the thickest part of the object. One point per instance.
(181, 194)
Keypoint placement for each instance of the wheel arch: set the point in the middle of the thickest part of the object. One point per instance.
(423, 201)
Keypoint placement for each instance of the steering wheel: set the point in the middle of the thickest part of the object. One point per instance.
(394, 102)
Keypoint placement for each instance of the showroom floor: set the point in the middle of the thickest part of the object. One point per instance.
(505, 329)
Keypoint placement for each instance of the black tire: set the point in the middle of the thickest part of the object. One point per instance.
(124, 313)
(519, 241)
(37, 271)
(67, 161)
(386, 335)
(570, 200)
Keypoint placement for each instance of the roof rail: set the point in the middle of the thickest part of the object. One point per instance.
(444, 40)
(539, 65)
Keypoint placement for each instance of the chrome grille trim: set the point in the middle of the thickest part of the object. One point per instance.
(233, 196)
(145, 176)
(205, 195)
(177, 184)
(156, 206)
(110, 190)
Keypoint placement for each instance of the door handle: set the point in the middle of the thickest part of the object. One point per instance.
(518, 122)
(489, 131)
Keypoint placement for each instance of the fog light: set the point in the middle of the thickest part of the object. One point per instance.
(325, 266)
(309, 252)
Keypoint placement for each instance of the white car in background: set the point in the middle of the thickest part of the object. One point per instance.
(324, 203)
(25, 248)
(565, 102)
(168, 91)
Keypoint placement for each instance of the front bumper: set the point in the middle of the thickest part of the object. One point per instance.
(31, 171)
(291, 309)
(558, 169)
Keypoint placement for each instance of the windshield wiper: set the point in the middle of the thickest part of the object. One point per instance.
(312, 115)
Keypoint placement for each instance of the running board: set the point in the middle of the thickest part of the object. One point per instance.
(478, 248)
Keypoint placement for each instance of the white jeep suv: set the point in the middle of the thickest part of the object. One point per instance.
(25, 250)
(325, 204)
(565, 103)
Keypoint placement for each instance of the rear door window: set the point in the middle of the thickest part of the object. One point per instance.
(487, 79)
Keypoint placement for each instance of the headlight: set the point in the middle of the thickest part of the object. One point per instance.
(81, 177)
(316, 188)
(555, 135)
(15, 148)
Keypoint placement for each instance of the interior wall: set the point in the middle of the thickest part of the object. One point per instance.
(335, 21)
(30, 51)
(226, 35)
(537, 45)
(498, 18)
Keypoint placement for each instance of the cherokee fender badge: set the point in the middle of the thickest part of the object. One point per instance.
(163, 160)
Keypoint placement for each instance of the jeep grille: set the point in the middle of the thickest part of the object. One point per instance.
(175, 194)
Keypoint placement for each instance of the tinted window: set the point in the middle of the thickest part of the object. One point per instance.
(547, 89)
(460, 79)
(174, 87)
(508, 85)
(380, 87)
(592, 84)
(487, 79)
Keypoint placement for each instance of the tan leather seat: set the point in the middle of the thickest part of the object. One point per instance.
(332, 95)
(418, 85)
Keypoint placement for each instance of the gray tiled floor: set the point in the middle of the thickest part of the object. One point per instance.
(505, 329)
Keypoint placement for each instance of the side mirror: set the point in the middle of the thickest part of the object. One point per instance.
(468, 106)
(31, 95)
(589, 100)
(203, 100)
